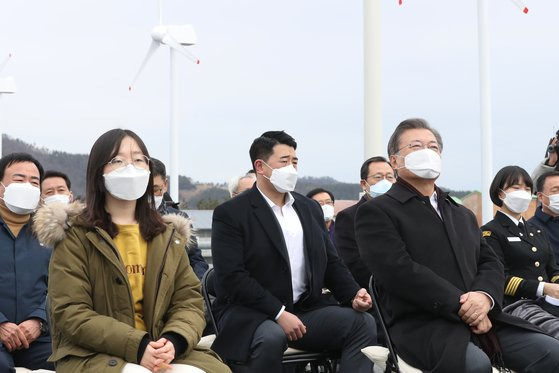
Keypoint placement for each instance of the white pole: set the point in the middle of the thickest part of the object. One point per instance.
(485, 109)
(174, 129)
(373, 144)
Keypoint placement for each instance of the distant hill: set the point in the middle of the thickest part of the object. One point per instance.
(339, 190)
(74, 165)
(193, 195)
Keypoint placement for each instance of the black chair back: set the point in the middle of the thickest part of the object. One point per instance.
(392, 359)
(208, 292)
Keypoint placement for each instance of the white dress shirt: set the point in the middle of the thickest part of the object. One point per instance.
(292, 231)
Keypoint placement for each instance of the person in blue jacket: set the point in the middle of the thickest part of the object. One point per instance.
(24, 336)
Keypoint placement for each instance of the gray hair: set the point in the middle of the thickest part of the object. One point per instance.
(409, 124)
(234, 182)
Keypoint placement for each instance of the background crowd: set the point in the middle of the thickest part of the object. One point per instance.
(112, 283)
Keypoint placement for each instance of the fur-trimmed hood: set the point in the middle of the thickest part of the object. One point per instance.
(51, 222)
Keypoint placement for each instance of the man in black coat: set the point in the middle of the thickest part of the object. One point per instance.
(375, 170)
(441, 285)
(547, 212)
(272, 258)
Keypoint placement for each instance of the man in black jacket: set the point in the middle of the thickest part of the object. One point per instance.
(168, 206)
(272, 258)
(374, 171)
(440, 283)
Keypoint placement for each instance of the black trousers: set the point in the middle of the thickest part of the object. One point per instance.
(335, 329)
(35, 357)
(523, 351)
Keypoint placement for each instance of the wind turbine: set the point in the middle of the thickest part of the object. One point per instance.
(176, 37)
(7, 86)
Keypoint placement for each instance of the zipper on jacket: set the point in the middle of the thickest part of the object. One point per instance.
(159, 276)
(130, 297)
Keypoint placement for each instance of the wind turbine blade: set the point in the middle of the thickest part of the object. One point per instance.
(172, 43)
(5, 62)
(520, 5)
(152, 48)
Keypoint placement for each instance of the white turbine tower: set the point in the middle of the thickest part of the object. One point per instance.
(372, 72)
(485, 106)
(176, 38)
(7, 86)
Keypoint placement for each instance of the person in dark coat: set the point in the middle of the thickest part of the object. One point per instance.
(272, 258)
(167, 206)
(547, 213)
(326, 200)
(440, 284)
(376, 178)
(531, 271)
(24, 333)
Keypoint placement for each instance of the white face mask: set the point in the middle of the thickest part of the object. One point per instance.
(553, 203)
(284, 178)
(21, 198)
(517, 201)
(57, 198)
(127, 183)
(425, 163)
(379, 188)
(158, 200)
(328, 211)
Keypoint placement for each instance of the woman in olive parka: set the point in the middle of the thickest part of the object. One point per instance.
(122, 295)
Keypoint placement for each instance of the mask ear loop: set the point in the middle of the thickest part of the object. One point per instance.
(269, 178)
(505, 193)
(368, 190)
(401, 156)
(2, 198)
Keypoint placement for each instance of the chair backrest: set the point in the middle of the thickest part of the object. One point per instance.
(392, 360)
(208, 292)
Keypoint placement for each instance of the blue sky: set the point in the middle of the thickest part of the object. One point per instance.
(293, 65)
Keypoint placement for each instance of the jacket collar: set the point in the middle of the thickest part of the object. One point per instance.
(506, 222)
(270, 225)
(51, 222)
(542, 216)
(267, 220)
(363, 200)
(513, 229)
(403, 191)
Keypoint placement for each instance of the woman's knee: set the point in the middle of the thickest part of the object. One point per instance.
(184, 368)
(135, 368)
